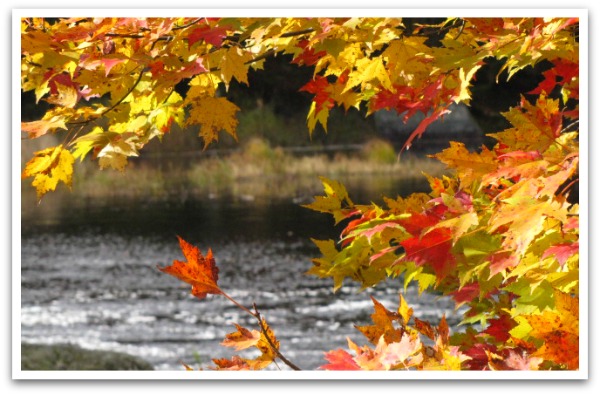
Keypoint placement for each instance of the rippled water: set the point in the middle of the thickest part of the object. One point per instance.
(89, 277)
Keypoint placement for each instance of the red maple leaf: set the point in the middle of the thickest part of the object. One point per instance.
(212, 35)
(431, 249)
(562, 252)
(418, 222)
(562, 73)
(502, 260)
(199, 271)
(339, 360)
(320, 87)
(499, 327)
(466, 293)
(308, 57)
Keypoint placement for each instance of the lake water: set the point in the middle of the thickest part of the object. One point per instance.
(89, 277)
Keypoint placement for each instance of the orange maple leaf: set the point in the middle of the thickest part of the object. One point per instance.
(199, 271)
(242, 338)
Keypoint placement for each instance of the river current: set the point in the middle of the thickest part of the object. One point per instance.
(89, 277)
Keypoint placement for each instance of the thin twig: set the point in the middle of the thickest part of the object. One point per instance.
(187, 24)
(114, 105)
(235, 302)
(575, 122)
(273, 348)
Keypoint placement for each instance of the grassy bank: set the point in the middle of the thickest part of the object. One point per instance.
(253, 171)
(71, 357)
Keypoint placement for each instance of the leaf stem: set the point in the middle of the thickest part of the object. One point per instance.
(235, 302)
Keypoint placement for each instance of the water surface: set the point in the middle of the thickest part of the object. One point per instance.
(89, 276)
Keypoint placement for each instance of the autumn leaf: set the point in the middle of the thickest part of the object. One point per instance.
(433, 249)
(425, 328)
(49, 167)
(535, 127)
(404, 310)
(235, 363)
(213, 35)
(562, 252)
(339, 360)
(242, 338)
(233, 65)
(383, 325)
(213, 114)
(335, 202)
(401, 354)
(514, 359)
(525, 218)
(198, 271)
(559, 329)
(499, 328)
(470, 166)
(36, 129)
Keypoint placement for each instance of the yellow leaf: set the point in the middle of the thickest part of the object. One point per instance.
(85, 143)
(404, 310)
(335, 200)
(465, 80)
(458, 225)
(368, 70)
(233, 65)
(213, 114)
(313, 118)
(49, 167)
(470, 166)
(113, 160)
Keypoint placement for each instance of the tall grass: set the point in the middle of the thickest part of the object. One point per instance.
(255, 171)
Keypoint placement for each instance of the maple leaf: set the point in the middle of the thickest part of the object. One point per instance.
(458, 226)
(339, 360)
(335, 202)
(233, 65)
(501, 261)
(470, 166)
(268, 343)
(213, 114)
(535, 127)
(242, 338)
(383, 325)
(500, 327)
(562, 252)
(466, 293)
(39, 128)
(513, 359)
(198, 271)
(424, 328)
(525, 217)
(49, 167)
(559, 329)
(66, 96)
(309, 56)
(433, 249)
(404, 353)
(235, 363)
(428, 120)
(212, 35)
(404, 310)
(320, 87)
